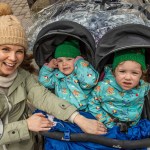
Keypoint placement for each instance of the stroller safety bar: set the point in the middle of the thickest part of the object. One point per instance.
(84, 137)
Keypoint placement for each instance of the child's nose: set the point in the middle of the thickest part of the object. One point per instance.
(127, 76)
(64, 62)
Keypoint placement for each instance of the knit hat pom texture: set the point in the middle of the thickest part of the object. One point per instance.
(11, 31)
(5, 9)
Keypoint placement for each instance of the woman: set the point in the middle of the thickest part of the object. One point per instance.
(17, 86)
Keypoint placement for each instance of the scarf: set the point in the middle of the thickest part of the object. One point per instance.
(6, 82)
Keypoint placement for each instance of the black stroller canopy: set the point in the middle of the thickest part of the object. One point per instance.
(122, 37)
(55, 33)
(90, 15)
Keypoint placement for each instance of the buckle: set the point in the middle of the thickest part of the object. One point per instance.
(116, 120)
(123, 126)
(66, 136)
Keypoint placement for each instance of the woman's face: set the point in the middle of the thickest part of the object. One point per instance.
(11, 56)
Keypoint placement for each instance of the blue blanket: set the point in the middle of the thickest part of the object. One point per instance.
(140, 131)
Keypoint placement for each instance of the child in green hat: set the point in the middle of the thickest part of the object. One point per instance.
(69, 74)
(119, 98)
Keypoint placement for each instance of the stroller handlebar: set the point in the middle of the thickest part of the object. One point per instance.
(84, 137)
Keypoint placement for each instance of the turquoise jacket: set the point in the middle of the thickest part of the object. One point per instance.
(76, 87)
(109, 99)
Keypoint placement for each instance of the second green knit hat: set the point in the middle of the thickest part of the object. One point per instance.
(68, 49)
(133, 55)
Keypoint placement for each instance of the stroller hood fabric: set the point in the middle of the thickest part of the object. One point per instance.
(123, 37)
(88, 14)
(55, 33)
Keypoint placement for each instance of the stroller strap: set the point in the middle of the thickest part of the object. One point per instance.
(124, 125)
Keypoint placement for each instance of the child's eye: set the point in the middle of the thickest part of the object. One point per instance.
(69, 59)
(122, 71)
(135, 73)
(58, 60)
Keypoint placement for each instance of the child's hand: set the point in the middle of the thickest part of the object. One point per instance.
(53, 64)
(90, 126)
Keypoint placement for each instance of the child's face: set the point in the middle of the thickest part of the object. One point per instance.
(65, 65)
(128, 74)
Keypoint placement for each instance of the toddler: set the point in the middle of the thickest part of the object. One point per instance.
(119, 98)
(69, 74)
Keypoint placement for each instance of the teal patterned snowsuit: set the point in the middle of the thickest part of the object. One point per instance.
(109, 99)
(76, 87)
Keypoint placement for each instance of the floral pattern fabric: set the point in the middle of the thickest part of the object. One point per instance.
(109, 100)
(76, 87)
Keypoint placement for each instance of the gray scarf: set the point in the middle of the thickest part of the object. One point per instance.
(6, 82)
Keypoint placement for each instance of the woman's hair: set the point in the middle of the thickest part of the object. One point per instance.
(27, 64)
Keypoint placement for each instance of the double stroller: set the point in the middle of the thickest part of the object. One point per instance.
(100, 33)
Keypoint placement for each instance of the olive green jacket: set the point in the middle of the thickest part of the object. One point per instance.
(25, 87)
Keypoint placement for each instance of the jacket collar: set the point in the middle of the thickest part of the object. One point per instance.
(21, 76)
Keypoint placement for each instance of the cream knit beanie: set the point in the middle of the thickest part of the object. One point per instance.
(11, 31)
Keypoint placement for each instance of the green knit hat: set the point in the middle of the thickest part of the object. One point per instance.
(68, 49)
(133, 55)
